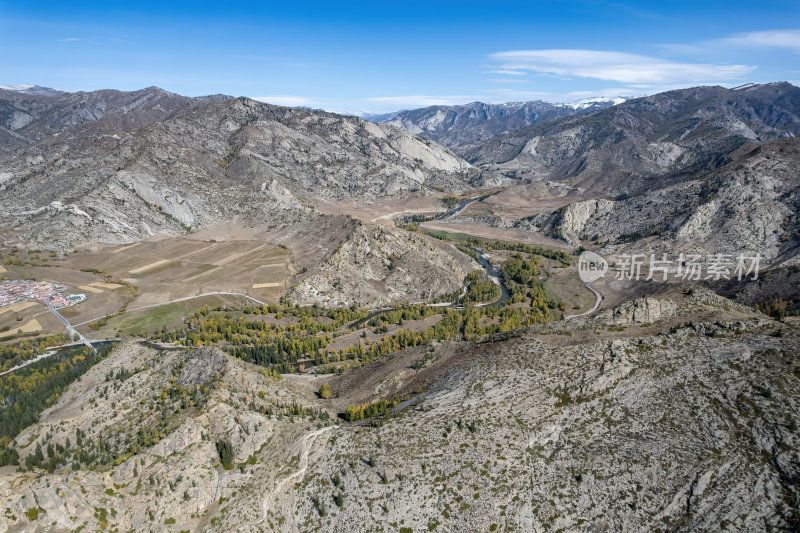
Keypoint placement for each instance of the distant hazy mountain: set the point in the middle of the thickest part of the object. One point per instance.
(32, 89)
(671, 136)
(463, 127)
(31, 114)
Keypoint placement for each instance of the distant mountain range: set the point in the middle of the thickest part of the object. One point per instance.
(33, 113)
(32, 89)
(464, 127)
(668, 136)
(112, 166)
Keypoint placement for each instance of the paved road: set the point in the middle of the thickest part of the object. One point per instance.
(72, 331)
(54, 350)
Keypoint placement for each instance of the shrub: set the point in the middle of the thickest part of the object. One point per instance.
(325, 391)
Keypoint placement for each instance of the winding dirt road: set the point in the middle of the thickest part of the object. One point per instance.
(598, 299)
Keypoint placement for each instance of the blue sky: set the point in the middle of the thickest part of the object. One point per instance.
(383, 56)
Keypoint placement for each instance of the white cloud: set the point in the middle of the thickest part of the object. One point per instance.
(621, 67)
(288, 101)
(789, 39)
(757, 40)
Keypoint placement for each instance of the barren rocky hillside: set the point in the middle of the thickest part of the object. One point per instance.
(237, 158)
(379, 265)
(674, 412)
(648, 431)
(666, 137)
(749, 205)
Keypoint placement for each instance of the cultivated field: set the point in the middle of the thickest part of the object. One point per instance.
(384, 210)
(170, 268)
(141, 276)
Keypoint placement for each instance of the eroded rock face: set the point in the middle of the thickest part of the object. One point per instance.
(640, 311)
(747, 207)
(569, 223)
(378, 265)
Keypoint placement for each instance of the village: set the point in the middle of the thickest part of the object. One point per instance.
(13, 291)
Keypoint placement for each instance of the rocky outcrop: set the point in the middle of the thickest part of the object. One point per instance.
(379, 265)
(640, 311)
(569, 222)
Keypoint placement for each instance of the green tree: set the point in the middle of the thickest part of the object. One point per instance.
(225, 451)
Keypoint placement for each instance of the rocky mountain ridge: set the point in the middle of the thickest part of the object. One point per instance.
(750, 206)
(263, 163)
(666, 137)
(465, 127)
(31, 116)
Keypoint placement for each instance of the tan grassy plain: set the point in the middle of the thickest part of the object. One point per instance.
(31, 325)
(520, 201)
(503, 234)
(16, 307)
(382, 211)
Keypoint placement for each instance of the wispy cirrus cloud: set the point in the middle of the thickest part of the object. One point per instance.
(787, 39)
(621, 67)
(74, 40)
(507, 72)
(417, 100)
(772, 40)
(507, 80)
